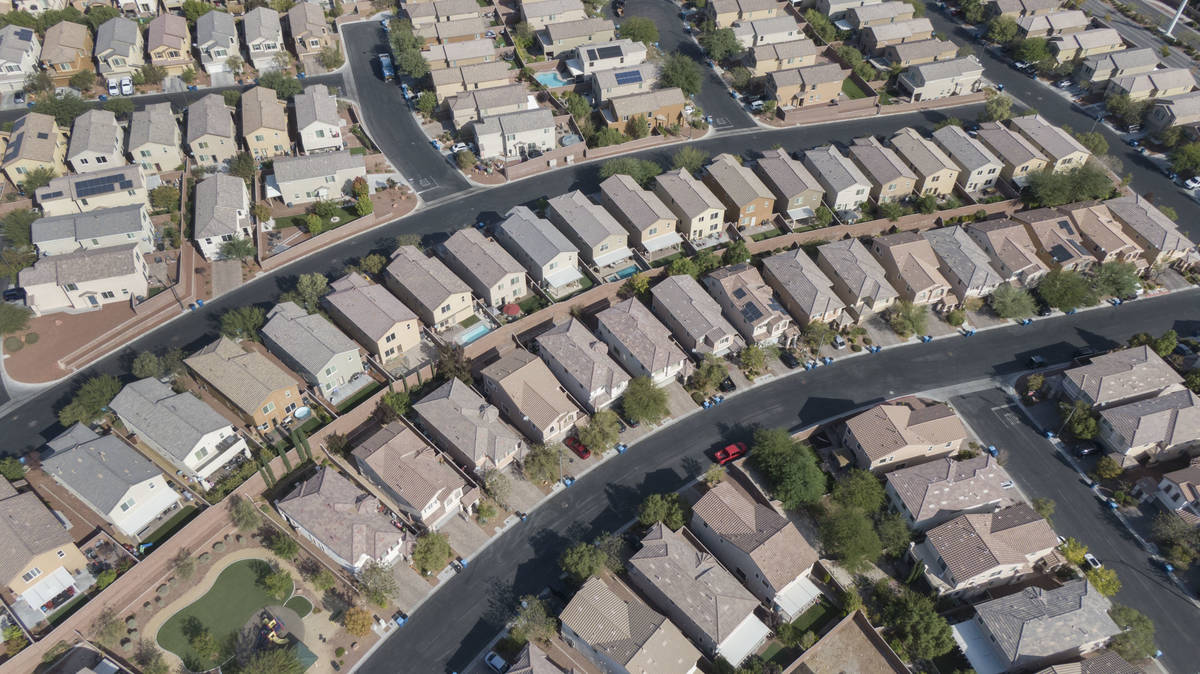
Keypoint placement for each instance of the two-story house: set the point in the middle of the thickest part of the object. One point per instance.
(797, 193)
(154, 138)
(928, 494)
(180, 427)
(912, 267)
(19, 53)
(701, 214)
(1021, 158)
(264, 123)
(217, 41)
(211, 136)
(39, 563)
(429, 288)
(773, 30)
(312, 347)
(1155, 429)
(891, 179)
(978, 167)
(694, 317)
(639, 342)
(562, 37)
(651, 225)
(170, 44)
(748, 303)
(725, 13)
(768, 58)
(315, 177)
(317, 120)
(109, 188)
(121, 225)
(527, 393)
(858, 279)
(1060, 244)
(222, 214)
(582, 364)
(963, 262)
(814, 85)
(803, 288)
(85, 279)
(370, 314)
(659, 108)
(1063, 152)
(935, 172)
(309, 32)
(1052, 23)
(35, 143)
(548, 256)
(260, 390)
(97, 142)
(512, 135)
(413, 474)
(1158, 235)
(1097, 71)
(461, 422)
(903, 432)
(940, 79)
(846, 188)
(623, 81)
(1011, 251)
(492, 273)
(66, 50)
(541, 13)
(1179, 491)
(450, 81)
(263, 35)
(600, 239)
(748, 202)
(1103, 235)
(119, 48)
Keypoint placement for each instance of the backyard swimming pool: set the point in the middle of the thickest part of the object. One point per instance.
(551, 79)
(473, 333)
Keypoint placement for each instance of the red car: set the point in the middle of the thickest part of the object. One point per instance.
(731, 452)
(578, 447)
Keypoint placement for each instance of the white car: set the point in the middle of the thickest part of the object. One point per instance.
(497, 663)
(1192, 183)
(459, 147)
(126, 86)
(1091, 561)
(114, 88)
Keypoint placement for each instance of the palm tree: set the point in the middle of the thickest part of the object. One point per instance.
(237, 249)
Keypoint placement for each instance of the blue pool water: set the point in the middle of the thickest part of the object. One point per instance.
(551, 79)
(473, 333)
(627, 272)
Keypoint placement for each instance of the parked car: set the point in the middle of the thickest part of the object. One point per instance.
(1091, 561)
(114, 88)
(534, 153)
(460, 147)
(19, 98)
(789, 359)
(1036, 361)
(14, 296)
(1192, 183)
(1085, 449)
(1062, 84)
(730, 452)
(839, 342)
(497, 663)
(578, 447)
(126, 86)
(727, 385)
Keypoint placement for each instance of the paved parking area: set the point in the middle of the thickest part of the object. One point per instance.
(226, 276)
(524, 494)
(411, 588)
(465, 536)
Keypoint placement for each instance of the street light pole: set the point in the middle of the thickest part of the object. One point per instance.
(1175, 19)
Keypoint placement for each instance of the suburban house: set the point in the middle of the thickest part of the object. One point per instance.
(66, 50)
(1181, 110)
(767, 31)
(513, 134)
(343, 521)
(119, 48)
(935, 173)
(109, 188)
(768, 58)
(1120, 377)
(1037, 626)
(581, 362)
(264, 38)
(747, 200)
(972, 553)
(1011, 251)
(1021, 158)
(428, 287)
(852, 645)
(931, 81)
(1158, 235)
(306, 24)
(837, 9)
(903, 432)
(846, 188)
(879, 13)
(760, 546)
(222, 214)
(636, 79)
(98, 229)
(601, 240)
(1015, 9)
(912, 267)
(875, 38)
(440, 11)
(748, 303)
(808, 85)
(802, 287)
(1157, 429)
(978, 167)
(180, 427)
(1062, 151)
(725, 13)
(470, 106)
(1085, 43)
(19, 52)
(548, 256)
(639, 342)
(797, 193)
(40, 564)
(928, 494)
(34, 143)
(659, 107)
(1153, 84)
(891, 179)
(563, 36)
(97, 142)
(258, 388)
(316, 177)
(701, 214)
(1097, 70)
(464, 424)
(1060, 245)
(317, 120)
(541, 13)
(678, 575)
(414, 475)
(154, 138)
(909, 54)
(1103, 235)
(693, 316)
(484, 264)
(651, 225)
(456, 54)
(110, 477)
(85, 279)
(370, 314)
(446, 32)
(1052, 23)
(963, 262)
(858, 279)
(614, 628)
(264, 123)
(1178, 491)
(170, 44)
(450, 81)
(312, 347)
(526, 392)
(211, 136)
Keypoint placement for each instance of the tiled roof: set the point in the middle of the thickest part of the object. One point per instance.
(471, 424)
(951, 69)
(975, 543)
(118, 34)
(1054, 21)
(291, 169)
(784, 176)
(1009, 244)
(691, 196)
(1122, 375)
(855, 646)
(922, 154)
(1099, 662)
(696, 312)
(175, 422)
(315, 104)
(305, 17)
(245, 377)
(566, 30)
(100, 469)
(855, 266)
(410, 467)
(1011, 147)
(968, 153)
(922, 49)
(914, 259)
(908, 421)
(262, 23)
(29, 529)
(171, 30)
(834, 169)
(1093, 38)
(948, 485)
(1166, 421)
(65, 41)
(641, 334)
(589, 222)
(33, 136)
(1051, 139)
(882, 10)
(1056, 234)
(803, 282)
(647, 102)
(582, 355)
(426, 278)
(1098, 225)
(1036, 622)
(781, 51)
(343, 517)
(748, 295)
(369, 306)
(535, 236)
(1141, 216)
(771, 541)
(531, 386)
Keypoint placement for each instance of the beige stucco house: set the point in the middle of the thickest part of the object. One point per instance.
(264, 124)
(169, 43)
(903, 432)
(211, 136)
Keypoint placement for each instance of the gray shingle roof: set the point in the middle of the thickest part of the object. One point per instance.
(641, 334)
(1166, 421)
(801, 280)
(881, 164)
(262, 23)
(834, 169)
(154, 123)
(921, 49)
(691, 196)
(15, 41)
(469, 422)
(1036, 622)
(176, 422)
(1011, 147)
(428, 279)
(309, 339)
(28, 529)
(589, 222)
(1051, 139)
(738, 182)
(101, 470)
(219, 198)
(315, 105)
(262, 109)
(1141, 216)
(246, 378)
(215, 27)
(856, 268)
(968, 153)
(1123, 375)
(289, 169)
(369, 306)
(641, 208)
(119, 34)
(209, 116)
(81, 266)
(343, 517)
(694, 310)
(540, 241)
(962, 256)
(481, 259)
(582, 355)
(566, 30)
(90, 225)
(922, 154)
(516, 122)
(784, 176)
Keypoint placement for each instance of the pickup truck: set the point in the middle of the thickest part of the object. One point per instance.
(385, 65)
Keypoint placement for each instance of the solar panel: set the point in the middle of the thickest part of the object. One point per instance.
(607, 52)
(751, 313)
(101, 185)
(25, 34)
(591, 54)
(52, 195)
(628, 77)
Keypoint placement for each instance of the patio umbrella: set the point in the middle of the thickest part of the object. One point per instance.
(510, 310)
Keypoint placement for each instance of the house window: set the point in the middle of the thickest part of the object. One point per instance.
(71, 287)
(329, 371)
(61, 554)
(101, 160)
(268, 408)
(145, 153)
(129, 502)
(330, 179)
(320, 133)
(259, 138)
(108, 294)
(31, 574)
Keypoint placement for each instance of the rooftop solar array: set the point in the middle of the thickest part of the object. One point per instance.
(603, 53)
(628, 77)
(102, 185)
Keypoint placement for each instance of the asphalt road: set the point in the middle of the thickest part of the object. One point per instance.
(1135, 35)
(1044, 473)
(454, 624)
(390, 123)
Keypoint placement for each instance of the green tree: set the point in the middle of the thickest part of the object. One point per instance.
(1136, 640)
(412, 63)
(121, 107)
(237, 249)
(1165, 343)
(165, 198)
(973, 11)
(244, 514)
(1094, 141)
(639, 29)
(683, 266)
(372, 264)
(12, 469)
(83, 80)
(1066, 289)
(1107, 468)
(907, 319)
(859, 489)
(822, 28)
(363, 206)
(753, 361)
(16, 227)
(848, 534)
(689, 158)
(1119, 279)
(232, 97)
(670, 509)
(310, 288)
(894, 534)
(679, 70)
(997, 107)
(1192, 380)
(194, 9)
(150, 74)
(709, 374)
(1002, 30)
(1185, 159)
(452, 363)
(188, 75)
(1073, 551)
(38, 177)
(1009, 301)
(284, 85)
(644, 402)
(1048, 189)
(823, 216)
(278, 584)
(1044, 507)
(13, 318)
(736, 253)
(916, 627)
(378, 583)
(357, 621)
(465, 160)
(147, 364)
(720, 44)
(789, 467)
(818, 334)
(641, 170)
(275, 661)
(1104, 580)
(714, 475)
(533, 622)
(38, 83)
(601, 432)
(609, 135)
(582, 561)
(497, 486)
(426, 103)
(323, 580)
(243, 322)
(204, 646)
(243, 166)
(577, 105)
(637, 127)
(284, 546)
(431, 552)
(331, 58)
(638, 284)
(1126, 109)
(542, 464)
(90, 401)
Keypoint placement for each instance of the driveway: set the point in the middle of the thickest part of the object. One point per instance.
(226, 276)
(411, 588)
(1043, 472)
(465, 536)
